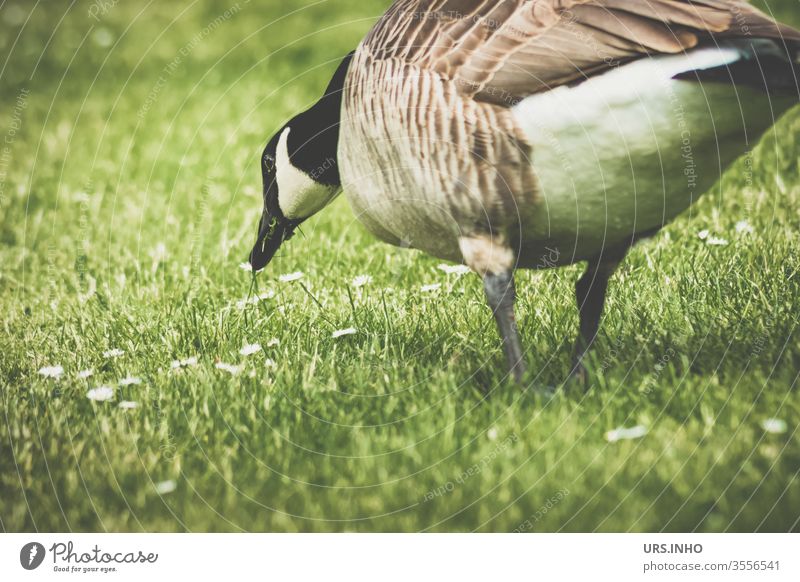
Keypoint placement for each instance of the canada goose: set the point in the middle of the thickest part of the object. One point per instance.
(512, 134)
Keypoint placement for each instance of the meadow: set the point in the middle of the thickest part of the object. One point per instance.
(149, 383)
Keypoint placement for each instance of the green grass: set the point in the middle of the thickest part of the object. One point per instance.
(122, 230)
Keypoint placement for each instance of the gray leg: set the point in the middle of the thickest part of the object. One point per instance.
(501, 294)
(590, 293)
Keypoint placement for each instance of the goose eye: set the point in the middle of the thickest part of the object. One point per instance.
(269, 163)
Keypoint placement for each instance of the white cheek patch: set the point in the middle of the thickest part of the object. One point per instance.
(298, 195)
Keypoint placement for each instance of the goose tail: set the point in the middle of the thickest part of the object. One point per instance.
(767, 65)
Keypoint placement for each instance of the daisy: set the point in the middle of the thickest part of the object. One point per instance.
(100, 394)
(454, 269)
(274, 342)
(165, 487)
(83, 374)
(130, 381)
(362, 280)
(250, 349)
(622, 434)
(744, 227)
(51, 371)
(774, 425)
(128, 405)
(113, 353)
(716, 241)
(343, 332)
(185, 363)
(430, 288)
(229, 368)
(291, 277)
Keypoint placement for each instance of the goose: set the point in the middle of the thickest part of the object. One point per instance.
(531, 134)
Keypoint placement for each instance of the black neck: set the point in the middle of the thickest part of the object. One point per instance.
(314, 136)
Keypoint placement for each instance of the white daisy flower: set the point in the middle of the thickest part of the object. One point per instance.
(492, 434)
(100, 394)
(362, 280)
(128, 405)
(774, 425)
(165, 487)
(623, 434)
(130, 381)
(344, 332)
(242, 303)
(454, 269)
(51, 371)
(229, 368)
(246, 266)
(716, 241)
(185, 363)
(250, 349)
(83, 374)
(274, 342)
(113, 353)
(291, 277)
(430, 288)
(703, 234)
(270, 363)
(744, 227)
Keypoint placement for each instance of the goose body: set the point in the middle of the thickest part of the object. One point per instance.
(511, 134)
(605, 161)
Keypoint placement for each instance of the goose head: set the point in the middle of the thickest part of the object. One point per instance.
(300, 171)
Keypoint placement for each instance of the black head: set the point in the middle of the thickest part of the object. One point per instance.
(300, 170)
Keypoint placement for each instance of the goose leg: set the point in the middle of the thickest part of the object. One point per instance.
(501, 294)
(590, 293)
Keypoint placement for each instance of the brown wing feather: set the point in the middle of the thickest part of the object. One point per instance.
(503, 50)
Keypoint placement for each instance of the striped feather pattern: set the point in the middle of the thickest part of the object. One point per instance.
(429, 149)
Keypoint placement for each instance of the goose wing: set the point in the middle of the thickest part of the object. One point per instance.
(501, 51)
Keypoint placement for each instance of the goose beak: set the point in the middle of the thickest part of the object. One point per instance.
(271, 234)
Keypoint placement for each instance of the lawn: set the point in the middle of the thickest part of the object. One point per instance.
(129, 196)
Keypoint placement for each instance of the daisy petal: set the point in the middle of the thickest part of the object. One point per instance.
(344, 332)
(51, 371)
(250, 349)
(622, 434)
(100, 394)
(291, 277)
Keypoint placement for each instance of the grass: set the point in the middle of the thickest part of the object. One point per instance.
(130, 194)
